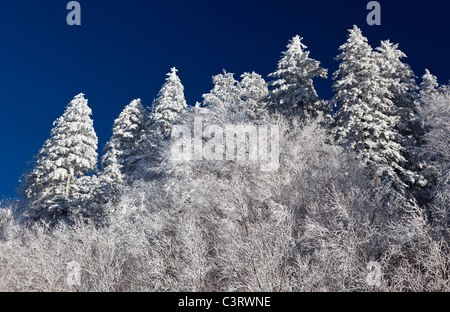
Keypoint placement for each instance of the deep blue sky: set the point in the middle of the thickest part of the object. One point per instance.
(123, 49)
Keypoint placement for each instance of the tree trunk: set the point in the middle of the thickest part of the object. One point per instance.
(69, 181)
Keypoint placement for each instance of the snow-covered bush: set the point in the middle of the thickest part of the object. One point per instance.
(7, 224)
(435, 111)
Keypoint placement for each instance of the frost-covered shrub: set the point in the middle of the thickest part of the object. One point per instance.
(435, 111)
(6, 222)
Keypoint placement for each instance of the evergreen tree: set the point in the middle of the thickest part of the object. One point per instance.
(68, 154)
(166, 111)
(403, 87)
(225, 97)
(253, 91)
(401, 78)
(429, 85)
(292, 92)
(127, 143)
(112, 170)
(366, 120)
(110, 180)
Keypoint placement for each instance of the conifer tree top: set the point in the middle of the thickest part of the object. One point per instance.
(69, 153)
(429, 84)
(292, 91)
(171, 95)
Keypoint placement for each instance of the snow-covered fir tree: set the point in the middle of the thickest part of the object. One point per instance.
(69, 154)
(429, 85)
(366, 119)
(403, 88)
(112, 170)
(253, 90)
(109, 181)
(236, 100)
(292, 92)
(225, 97)
(127, 143)
(401, 78)
(165, 112)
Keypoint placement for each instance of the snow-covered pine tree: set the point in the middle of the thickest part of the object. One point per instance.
(402, 81)
(166, 111)
(110, 180)
(127, 143)
(111, 169)
(253, 91)
(366, 120)
(403, 87)
(225, 98)
(292, 92)
(429, 85)
(69, 153)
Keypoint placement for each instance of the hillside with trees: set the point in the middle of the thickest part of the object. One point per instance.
(361, 178)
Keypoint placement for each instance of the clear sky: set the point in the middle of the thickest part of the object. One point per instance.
(123, 50)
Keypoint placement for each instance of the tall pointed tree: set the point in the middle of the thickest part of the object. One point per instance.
(402, 85)
(402, 81)
(166, 111)
(292, 92)
(127, 143)
(366, 119)
(429, 85)
(68, 154)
